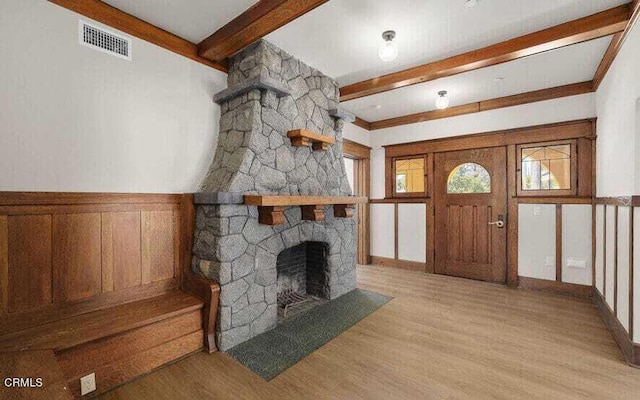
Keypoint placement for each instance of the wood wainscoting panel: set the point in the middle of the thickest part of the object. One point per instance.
(599, 240)
(635, 276)
(121, 253)
(77, 261)
(4, 264)
(512, 217)
(610, 254)
(158, 246)
(30, 261)
(622, 266)
(107, 253)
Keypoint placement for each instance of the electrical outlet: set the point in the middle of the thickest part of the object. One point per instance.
(537, 211)
(88, 384)
(575, 263)
(549, 261)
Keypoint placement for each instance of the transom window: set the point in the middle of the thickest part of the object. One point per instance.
(469, 178)
(409, 176)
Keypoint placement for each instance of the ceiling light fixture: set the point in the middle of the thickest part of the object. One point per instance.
(388, 49)
(443, 101)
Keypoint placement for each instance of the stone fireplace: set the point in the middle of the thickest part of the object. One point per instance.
(270, 94)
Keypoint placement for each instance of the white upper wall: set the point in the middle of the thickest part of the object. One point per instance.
(618, 145)
(546, 112)
(74, 119)
(356, 134)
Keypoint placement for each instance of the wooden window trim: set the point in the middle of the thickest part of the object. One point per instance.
(527, 135)
(355, 151)
(391, 178)
(573, 191)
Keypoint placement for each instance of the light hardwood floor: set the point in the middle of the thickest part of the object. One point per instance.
(439, 338)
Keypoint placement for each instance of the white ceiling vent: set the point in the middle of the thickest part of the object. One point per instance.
(104, 40)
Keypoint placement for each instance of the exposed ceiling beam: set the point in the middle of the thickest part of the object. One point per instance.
(607, 59)
(592, 27)
(615, 46)
(258, 21)
(362, 123)
(127, 23)
(486, 105)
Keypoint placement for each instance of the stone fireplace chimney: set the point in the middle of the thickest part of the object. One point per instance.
(270, 94)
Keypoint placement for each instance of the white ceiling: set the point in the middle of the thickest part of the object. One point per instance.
(193, 20)
(341, 39)
(570, 64)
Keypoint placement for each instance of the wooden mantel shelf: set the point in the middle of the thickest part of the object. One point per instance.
(285, 201)
(302, 138)
(271, 208)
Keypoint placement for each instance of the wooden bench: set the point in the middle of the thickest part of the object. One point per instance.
(100, 284)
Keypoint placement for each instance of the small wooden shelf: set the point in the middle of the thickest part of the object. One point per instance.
(302, 138)
(271, 208)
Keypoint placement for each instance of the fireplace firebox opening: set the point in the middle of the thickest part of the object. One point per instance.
(302, 281)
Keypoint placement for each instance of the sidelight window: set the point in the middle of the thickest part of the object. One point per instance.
(547, 168)
(409, 176)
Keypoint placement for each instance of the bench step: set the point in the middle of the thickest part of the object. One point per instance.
(75, 331)
(124, 370)
(75, 362)
(117, 344)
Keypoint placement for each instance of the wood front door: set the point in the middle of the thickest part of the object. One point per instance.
(470, 200)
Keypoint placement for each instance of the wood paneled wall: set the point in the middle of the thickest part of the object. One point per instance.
(615, 277)
(58, 248)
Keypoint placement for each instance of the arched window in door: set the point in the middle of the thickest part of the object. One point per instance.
(469, 178)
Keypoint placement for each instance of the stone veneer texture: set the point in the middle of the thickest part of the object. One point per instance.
(255, 156)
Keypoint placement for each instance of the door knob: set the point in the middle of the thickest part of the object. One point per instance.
(499, 223)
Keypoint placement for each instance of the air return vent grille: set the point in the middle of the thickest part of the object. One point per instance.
(104, 40)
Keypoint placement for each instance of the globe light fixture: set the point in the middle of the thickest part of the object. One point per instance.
(443, 101)
(388, 49)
